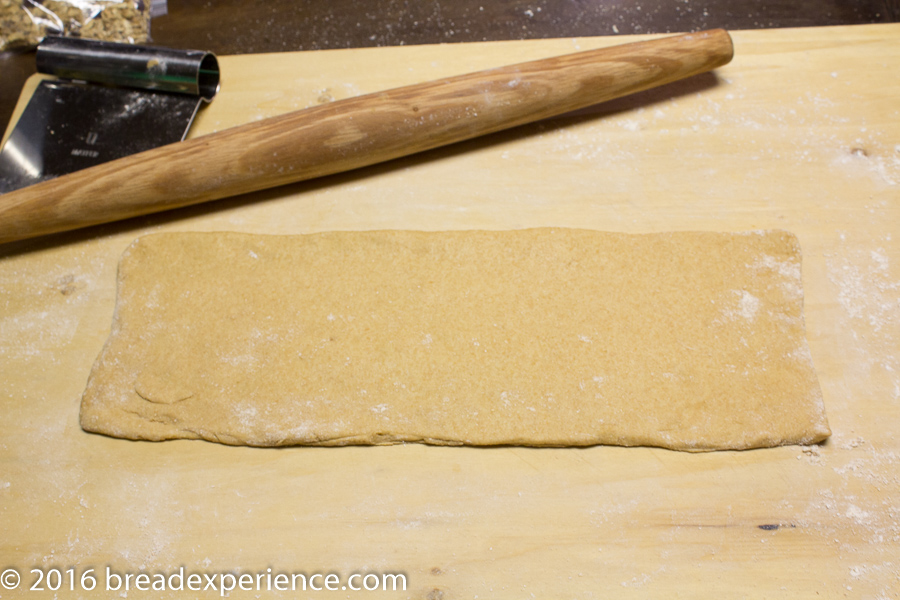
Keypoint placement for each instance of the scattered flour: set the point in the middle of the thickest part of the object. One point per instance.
(869, 296)
(745, 307)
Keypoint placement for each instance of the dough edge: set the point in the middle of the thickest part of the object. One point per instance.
(94, 416)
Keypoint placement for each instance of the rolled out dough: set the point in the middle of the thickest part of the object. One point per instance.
(543, 337)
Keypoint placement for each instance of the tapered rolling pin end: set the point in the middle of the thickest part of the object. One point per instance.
(353, 133)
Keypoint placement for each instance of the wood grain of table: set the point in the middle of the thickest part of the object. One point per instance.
(800, 132)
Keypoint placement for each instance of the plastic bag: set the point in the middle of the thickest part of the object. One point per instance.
(24, 23)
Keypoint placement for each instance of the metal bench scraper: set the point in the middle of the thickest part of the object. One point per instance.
(107, 101)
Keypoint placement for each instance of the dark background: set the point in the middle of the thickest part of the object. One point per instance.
(243, 26)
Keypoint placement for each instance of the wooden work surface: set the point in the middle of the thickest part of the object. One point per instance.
(800, 132)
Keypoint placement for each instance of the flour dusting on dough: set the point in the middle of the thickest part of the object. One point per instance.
(744, 305)
(544, 337)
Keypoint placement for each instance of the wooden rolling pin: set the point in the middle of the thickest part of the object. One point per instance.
(353, 133)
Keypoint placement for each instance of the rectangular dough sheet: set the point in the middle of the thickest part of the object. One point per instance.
(541, 337)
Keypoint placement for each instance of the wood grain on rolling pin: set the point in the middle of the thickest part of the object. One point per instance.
(353, 133)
